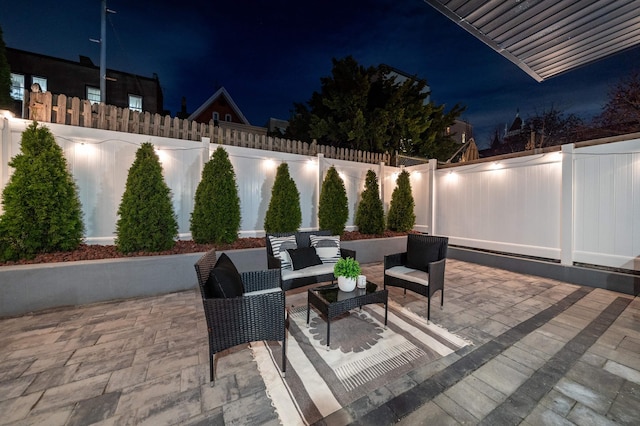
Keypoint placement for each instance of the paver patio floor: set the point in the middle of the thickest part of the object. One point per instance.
(544, 352)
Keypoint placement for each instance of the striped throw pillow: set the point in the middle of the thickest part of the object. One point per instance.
(327, 247)
(279, 246)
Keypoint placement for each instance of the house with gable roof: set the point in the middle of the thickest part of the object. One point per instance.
(224, 112)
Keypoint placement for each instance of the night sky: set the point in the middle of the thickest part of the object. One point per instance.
(269, 55)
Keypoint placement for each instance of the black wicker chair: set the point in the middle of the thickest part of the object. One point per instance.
(419, 269)
(245, 319)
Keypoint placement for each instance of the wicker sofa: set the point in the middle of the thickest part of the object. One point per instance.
(310, 275)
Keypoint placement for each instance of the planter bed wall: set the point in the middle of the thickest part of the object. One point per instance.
(30, 288)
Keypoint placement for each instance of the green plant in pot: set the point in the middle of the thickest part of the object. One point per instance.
(347, 271)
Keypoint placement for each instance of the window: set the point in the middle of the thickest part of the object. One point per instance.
(135, 103)
(93, 95)
(227, 117)
(42, 81)
(216, 116)
(17, 86)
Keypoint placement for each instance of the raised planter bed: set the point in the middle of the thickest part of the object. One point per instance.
(35, 287)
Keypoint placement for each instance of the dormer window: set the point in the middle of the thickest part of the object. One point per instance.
(227, 117)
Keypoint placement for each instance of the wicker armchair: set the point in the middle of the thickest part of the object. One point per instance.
(245, 319)
(420, 268)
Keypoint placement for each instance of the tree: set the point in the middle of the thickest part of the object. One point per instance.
(368, 109)
(216, 212)
(622, 110)
(401, 216)
(370, 212)
(552, 127)
(333, 210)
(42, 210)
(146, 221)
(5, 77)
(283, 214)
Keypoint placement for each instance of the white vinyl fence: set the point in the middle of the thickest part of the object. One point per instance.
(577, 205)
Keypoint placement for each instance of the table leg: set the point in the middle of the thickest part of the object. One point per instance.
(307, 314)
(328, 331)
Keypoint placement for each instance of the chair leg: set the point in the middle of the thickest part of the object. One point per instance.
(441, 297)
(428, 309)
(212, 357)
(284, 340)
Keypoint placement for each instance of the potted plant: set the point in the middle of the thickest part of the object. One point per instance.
(347, 270)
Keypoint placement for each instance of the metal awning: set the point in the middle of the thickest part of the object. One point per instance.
(546, 38)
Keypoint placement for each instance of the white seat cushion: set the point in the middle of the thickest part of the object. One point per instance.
(408, 274)
(310, 271)
(265, 291)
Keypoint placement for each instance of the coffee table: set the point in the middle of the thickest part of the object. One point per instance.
(331, 301)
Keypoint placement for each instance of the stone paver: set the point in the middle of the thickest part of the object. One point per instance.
(544, 352)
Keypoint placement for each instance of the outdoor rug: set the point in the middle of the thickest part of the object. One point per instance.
(363, 356)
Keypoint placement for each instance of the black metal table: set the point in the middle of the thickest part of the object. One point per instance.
(331, 301)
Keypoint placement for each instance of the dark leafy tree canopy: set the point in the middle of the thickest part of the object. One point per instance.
(367, 109)
(622, 110)
(42, 210)
(283, 213)
(5, 77)
(216, 212)
(333, 210)
(370, 212)
(146, 220)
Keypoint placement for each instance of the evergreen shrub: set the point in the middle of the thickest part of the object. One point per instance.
(42, 210)
(333, 210)
(370, 212)
(216, 212)
(146, 220)
(283, 214)
(401, 216)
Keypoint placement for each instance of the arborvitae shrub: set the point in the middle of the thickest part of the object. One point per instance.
(401, 216)
(333, 210)
(283, 214)
(216, 212)
(370, 212)
(146, 221)
(42, 210)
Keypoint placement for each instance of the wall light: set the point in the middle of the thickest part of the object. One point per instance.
(496, 165)
(269, 164)
(5, 113)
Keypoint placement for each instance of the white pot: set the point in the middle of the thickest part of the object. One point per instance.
(346, 284)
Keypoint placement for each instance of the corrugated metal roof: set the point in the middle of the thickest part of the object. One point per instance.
(546, 38)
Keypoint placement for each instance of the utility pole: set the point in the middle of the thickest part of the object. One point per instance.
(103, 52)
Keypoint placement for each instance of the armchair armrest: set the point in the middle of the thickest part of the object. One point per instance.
(260, 280)
(273, 262)
(436, 275)
(396, 259)
(345, 252)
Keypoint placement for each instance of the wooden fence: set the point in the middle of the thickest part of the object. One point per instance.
(48, 108)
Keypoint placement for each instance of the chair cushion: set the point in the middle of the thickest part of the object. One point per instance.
(279, 246)
(327, 247)
(419, 255)
(303, 257)
(408, 274)
(311, 271)
(224, 280)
